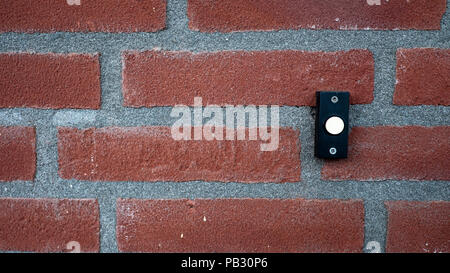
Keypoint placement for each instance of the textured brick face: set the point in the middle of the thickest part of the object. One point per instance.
(401, 153)
(48, 225)
(418, 226)
(240, 225)
(17, 153)
(49, 81)
(88, 64)
(151, 154)
(163, 78)
(87, 16)
(231, 15)
(423, 77)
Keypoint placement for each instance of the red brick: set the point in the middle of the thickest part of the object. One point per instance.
(17, 153)
(423, 77)
(165, 78)
(49, 80)
(418, 226)
(151, 154)
(240, 225)
(267, 15)
(400, 153)
(47, 225)
(89, 16)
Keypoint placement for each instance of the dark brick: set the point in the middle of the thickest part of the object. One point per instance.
(17, 153)
(418, 226)
(50, 80)
(165, 78)
(240, 225)
(151, 154)
(267, 15)
(423, 77)
(89, 16)
(400, 153)
(48, 225)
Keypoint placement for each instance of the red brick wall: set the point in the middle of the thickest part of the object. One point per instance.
(266, 15)
(51, 83)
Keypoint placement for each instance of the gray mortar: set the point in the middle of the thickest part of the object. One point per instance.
(177, 36)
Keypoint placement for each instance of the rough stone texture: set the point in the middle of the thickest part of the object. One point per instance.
(48, 225)
(17, 153)
(176, 37)
(49, 80)
(165, 78)
(240, 225)
(266, 15)
(418, 226)
(88, 16)
(151, 154)
(401, 153)
(423, 77)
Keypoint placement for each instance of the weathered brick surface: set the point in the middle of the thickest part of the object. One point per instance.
(49, 80)
(240, 225)
(166, 78)
(17, 153)
(151, 154)
(48, 225)
(82, 16)
(400, 153)
(89, 64)
(266, 15)
(423, 77)
(418, 226)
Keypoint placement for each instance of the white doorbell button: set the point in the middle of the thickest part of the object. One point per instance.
(334, 125)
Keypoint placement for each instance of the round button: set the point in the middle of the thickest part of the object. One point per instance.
(334, 125)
